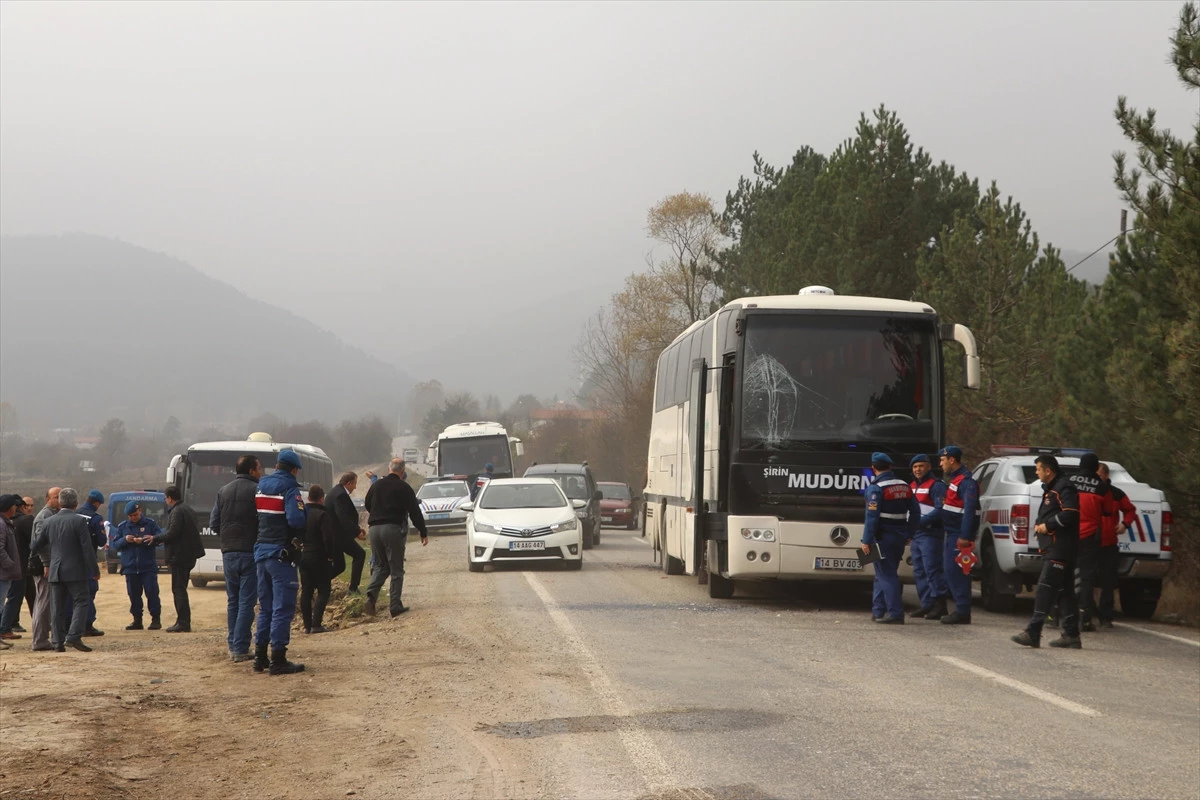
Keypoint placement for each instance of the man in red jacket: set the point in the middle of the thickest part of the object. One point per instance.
(1095, 502)
(1112, 527)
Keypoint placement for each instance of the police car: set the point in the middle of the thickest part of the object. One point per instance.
(441, 504)
(1009, 497)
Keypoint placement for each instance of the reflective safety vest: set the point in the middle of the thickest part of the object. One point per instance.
(923, 491)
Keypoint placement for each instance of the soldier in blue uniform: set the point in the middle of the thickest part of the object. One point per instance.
(960, 517)
(135, 541)
(927, 541)
(281, 524)
(90, 508)
(892, 513)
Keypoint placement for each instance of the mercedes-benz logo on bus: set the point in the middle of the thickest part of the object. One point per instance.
(839, 535)
(527, 532)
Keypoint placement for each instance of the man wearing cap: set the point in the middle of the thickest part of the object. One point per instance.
(40, 616)
(1057, 530)
(67, 550)
(960, 517)
(19, 591)
(281, 524)
(10, 555)
(135, 542)
(181, 548)
(892, 513)
(480, 481)
(928, 541)
(91, 510)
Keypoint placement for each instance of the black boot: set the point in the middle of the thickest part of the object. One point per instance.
(155, 623)
(280, 665)
(260, 658)
(957, 618)
(136, 625)
(1027, 639)
(938, 610)
(1070, 642)
(920, 612)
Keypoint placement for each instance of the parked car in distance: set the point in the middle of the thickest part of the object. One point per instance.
(523, 519)
(619, 508)
(154, 506)
(577, 483)
(442, 502)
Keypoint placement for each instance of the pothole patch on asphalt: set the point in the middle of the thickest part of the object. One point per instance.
(702, 720)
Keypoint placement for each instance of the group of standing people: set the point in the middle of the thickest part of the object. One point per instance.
(1078, 524)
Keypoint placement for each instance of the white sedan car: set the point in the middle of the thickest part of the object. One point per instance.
(523, 519)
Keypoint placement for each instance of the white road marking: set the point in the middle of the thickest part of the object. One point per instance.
(1032, 691)
(654, 771)
(1153, 632)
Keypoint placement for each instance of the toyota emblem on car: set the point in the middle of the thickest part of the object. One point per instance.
(839, 535)
(527, 532)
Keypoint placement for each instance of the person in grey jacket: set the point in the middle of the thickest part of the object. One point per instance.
(40, 616)
(234, 519)
(66, 543)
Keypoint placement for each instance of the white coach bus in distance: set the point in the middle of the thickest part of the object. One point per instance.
(464, 450)
(207, 466)
(765, 417)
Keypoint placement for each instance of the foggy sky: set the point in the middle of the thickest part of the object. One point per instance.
(382, 169)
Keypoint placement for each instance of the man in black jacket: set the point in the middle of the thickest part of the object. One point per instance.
(1057, 531)
(234, 520)
(181, 548)
(316, 561)
(345, 522)
(390, 503)
(10, 619)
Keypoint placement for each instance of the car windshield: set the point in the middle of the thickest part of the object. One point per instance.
(521, 495)
(442, 490)
(471, 456)
(573, 486)
(837, 378)
(615, 491)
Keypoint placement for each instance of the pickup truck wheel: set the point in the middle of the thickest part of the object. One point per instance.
(199, 583)
(112, 568)
(989, 585)
(1137, 601)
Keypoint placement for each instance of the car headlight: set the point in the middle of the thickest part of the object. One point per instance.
(568, 525)
(483, 527)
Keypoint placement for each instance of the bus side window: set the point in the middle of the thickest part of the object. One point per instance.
(683, 368)
(669, 376)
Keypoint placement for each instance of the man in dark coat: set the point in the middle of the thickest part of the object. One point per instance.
(181, 548)
(316, 561)
(18, 591)
(65, 545)
(349, 532)
(234, 520)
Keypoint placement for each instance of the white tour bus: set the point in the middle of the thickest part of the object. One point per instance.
(789, 396)
(207, 466)
(464, 450)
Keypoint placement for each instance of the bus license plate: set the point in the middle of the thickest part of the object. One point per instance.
(526, 545)
(840, 564)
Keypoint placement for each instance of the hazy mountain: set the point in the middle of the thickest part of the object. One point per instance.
(92, 328)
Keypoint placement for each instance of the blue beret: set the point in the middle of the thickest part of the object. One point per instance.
(881, 458)
(951, 450)
(131, 507)
(289, 458)
(488, 466)
(97, 495)
(920, 458)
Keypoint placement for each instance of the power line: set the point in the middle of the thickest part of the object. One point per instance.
(1098, 249)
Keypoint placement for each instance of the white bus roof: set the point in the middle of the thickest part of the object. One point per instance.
(243, 446)
(818, 302)
(467, 429)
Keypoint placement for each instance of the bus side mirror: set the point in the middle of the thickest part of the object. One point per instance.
(970, 360)
(520, 447)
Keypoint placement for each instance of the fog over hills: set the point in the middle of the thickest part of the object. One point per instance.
(93, 328)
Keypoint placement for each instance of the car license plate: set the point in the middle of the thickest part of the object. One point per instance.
(840, 564)
(439, 516)
(606, 519)
(526, 545)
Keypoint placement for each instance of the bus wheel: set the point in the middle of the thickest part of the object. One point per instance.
(199, 583)
(719, 586)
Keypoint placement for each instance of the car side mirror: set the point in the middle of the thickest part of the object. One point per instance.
(468, 506)
(579, 503)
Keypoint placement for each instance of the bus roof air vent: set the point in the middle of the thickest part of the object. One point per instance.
(259, 436)
(816, 290)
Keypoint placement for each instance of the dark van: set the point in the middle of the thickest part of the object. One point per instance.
(577, 483)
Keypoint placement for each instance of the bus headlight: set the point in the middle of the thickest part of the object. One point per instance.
(758, 534)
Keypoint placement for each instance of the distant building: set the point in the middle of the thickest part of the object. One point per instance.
(86, 442)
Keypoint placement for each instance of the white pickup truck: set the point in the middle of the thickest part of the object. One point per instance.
(1009, 496)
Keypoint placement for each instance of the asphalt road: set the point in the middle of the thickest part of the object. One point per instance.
(798, 694)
